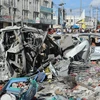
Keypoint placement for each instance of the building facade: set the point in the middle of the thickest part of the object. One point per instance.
(36, 13)
(83, 21)
(86, 22)
(71, 20)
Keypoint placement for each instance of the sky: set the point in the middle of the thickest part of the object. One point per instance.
(75, 5)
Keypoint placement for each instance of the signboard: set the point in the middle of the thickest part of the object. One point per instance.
(47, 21)
(37, 20)
(46, 10)
(29, 21)
(5, 18)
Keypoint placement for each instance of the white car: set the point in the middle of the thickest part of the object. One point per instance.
(94, 52)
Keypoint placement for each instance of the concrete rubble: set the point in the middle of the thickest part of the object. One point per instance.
(65, 73)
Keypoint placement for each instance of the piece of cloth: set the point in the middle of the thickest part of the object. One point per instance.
(40, 77)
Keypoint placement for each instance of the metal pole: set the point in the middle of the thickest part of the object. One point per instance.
(62, 14)
(91, 17)
(96, 18)
(12, 20)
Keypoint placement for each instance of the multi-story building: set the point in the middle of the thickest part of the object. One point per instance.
(37, 13)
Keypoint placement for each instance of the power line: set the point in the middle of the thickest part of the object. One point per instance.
(82, 7)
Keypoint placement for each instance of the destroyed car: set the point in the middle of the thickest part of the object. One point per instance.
(23, 50)
(93, 39)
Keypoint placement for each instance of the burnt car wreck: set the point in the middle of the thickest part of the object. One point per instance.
(26, 50)
(55, 66)
(23, 50)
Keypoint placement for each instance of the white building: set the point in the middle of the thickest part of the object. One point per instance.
(83, 21)
(71, 20)
(37, 13)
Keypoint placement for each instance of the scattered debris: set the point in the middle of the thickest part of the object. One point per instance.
(54, 71)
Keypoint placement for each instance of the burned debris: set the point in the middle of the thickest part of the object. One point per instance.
(62, 72)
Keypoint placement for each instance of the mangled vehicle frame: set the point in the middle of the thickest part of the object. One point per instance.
(22, 50)
(25, 50)
(94, 42)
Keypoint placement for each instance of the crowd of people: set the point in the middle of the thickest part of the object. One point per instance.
(69, 30)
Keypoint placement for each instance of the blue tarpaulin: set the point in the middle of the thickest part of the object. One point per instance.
(75, 26)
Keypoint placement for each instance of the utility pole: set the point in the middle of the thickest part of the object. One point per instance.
(70, 16)
(91, 17)
(96, 20)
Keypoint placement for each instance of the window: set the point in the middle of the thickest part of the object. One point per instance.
(35, 15)
(25, 14)
(67, 20)
(45, 15)
(0, 10)
(9, 11)
(71, 20)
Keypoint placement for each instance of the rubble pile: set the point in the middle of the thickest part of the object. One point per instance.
(77, 86)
